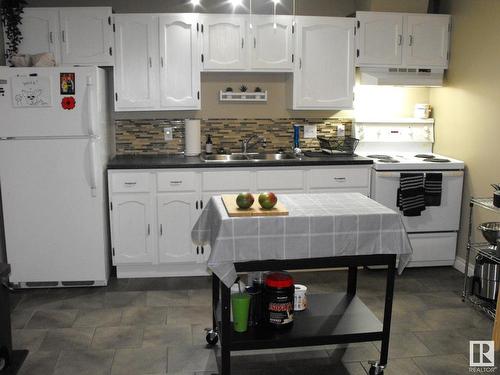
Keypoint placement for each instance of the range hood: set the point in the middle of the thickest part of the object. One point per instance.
(402, 77)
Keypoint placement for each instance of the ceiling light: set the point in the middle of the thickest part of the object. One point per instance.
(195, 2)
(276, 1)
(236, 3)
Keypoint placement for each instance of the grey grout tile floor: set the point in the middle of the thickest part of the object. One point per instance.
(155, 326)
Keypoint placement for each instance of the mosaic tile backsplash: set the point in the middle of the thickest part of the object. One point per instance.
(146, 136)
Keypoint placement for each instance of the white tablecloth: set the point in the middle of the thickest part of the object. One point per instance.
(318, 225)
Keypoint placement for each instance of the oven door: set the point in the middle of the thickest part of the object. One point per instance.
(446, 217)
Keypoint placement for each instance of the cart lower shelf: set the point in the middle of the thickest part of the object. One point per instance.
(329, 319)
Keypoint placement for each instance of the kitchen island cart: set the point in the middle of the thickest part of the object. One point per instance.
(322, 231)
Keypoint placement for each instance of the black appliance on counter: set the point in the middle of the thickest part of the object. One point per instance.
(5, 331)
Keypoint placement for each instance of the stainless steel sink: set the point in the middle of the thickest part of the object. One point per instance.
(264, 156)
(223, 157)
(249, 157)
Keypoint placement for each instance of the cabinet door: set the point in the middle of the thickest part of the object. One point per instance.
(224, 42)
(86, 35)
(136, 66)
(379, 38)
(40, 31)
(427, 40)
(324, 70)
(272, 43)
(179, 61)
(176, 216)
(132, 225)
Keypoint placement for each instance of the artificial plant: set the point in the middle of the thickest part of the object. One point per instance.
(11, 13)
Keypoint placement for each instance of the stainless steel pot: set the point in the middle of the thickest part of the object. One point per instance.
(486, 278)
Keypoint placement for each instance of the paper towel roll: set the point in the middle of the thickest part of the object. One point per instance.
(192, 138)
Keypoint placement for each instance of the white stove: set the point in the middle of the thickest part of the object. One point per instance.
(405, 146)
(413, 161)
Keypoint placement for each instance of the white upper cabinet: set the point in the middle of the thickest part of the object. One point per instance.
(224, 42)
(324, 64)
(379, 38)
(136, 62)
(180, 61)
(86, 35)
(271, 43)
(403, 40)
(428, 40)
(40, 30)
(81, 35)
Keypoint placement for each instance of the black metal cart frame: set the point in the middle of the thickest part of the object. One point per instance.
(342, 317)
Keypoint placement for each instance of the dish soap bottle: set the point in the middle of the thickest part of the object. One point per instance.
(209, 145)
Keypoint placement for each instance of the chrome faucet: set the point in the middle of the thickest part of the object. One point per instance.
(246, 145)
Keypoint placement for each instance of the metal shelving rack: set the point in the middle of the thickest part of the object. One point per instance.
(484, 249)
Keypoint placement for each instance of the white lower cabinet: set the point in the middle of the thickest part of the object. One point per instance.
(176, 213)
(152, 212)
(132, 218)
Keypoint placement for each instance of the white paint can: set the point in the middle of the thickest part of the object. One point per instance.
(300, 298)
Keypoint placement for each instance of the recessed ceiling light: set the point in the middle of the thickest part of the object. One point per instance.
(195, 2)
(276, 1)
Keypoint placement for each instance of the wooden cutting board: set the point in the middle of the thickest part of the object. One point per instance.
(256, 210)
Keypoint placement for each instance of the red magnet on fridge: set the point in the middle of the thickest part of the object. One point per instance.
(68, 102)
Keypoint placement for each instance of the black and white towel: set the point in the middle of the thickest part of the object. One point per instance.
(411, 197)
(433, 189)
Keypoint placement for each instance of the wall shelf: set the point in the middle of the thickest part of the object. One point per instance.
(230, 96)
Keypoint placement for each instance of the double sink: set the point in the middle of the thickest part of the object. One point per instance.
(246, 157)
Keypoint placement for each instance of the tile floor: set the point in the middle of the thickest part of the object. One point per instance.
(155, 326)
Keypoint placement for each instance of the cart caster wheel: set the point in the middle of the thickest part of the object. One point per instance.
(376, 369)
(212, 337)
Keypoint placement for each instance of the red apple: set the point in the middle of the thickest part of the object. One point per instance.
(244, 200)
(268, 200)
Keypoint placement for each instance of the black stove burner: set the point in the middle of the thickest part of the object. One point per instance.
(377, 156)
(388, 160)
(425, 156)
(438, 160)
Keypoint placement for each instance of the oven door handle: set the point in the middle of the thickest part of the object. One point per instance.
(398, 174)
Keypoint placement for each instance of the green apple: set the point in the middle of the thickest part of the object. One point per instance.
(268, 200)
(244, 200)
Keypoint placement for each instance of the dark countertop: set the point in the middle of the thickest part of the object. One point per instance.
(4, 270)
(180, 161)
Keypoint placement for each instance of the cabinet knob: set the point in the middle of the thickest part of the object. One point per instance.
(410, 42)
(161, 229)
(196, 204)
(400, 39)
(63, 35)
(149, 229)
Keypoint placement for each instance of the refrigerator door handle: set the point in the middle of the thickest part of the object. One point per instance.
(92, 166)
(90, 107)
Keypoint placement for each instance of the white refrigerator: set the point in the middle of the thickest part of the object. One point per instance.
(54, 145)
